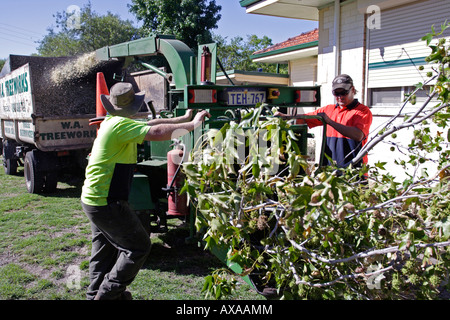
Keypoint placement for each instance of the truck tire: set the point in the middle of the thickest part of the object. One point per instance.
(9, 161)
(33, 178)
(10, 166)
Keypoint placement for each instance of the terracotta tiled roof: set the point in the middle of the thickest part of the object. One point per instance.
(305, 37)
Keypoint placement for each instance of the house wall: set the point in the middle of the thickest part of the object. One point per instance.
(381, 50)
(351, 45)
(395, 50)
(303, 72)
(363, 54)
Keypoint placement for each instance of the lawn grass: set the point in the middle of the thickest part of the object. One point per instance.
(44, 239)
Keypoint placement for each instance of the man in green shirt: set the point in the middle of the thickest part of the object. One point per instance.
(120, 244)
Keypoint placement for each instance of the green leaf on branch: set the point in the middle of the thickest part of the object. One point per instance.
(444, 226)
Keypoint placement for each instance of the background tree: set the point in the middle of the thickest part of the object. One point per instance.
(237, 54)
(94, 31)
(189, 20)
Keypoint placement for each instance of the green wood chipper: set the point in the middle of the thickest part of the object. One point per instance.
(187, 81)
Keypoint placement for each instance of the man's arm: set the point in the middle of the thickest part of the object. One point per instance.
(168, 131)
(353, 133)
(185, 118)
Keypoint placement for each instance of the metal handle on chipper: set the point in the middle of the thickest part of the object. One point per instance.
(167, 76)
(324, 136)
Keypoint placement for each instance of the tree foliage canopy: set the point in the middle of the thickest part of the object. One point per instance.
(236, 55)
(189, 20)
(93, 32)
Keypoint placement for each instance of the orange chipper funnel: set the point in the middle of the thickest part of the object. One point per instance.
(102, 88)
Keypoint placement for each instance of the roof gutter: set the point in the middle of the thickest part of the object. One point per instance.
(246, 3)
(285, 50)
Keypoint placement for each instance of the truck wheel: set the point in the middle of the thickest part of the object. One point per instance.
(9, 161)
(10, 166)
(33, 178)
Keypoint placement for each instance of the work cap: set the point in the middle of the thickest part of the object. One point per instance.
(342, 81)
(122, 100)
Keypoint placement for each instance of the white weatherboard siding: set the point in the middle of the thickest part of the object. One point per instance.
(395, 50)
(303, 72)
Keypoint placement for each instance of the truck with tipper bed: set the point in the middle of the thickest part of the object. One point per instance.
(45, 107)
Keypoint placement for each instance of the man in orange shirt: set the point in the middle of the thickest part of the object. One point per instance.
(348, 123)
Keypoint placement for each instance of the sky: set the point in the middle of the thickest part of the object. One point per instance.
(24, 22)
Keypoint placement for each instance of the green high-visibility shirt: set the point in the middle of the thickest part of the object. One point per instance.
(113, 160)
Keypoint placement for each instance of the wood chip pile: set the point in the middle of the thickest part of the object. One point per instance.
(65, 86)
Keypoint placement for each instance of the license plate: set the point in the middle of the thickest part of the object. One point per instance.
(246, 97)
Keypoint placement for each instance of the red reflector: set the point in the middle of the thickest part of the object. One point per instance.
(298, 96)
(202, 96)
(62, 153)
